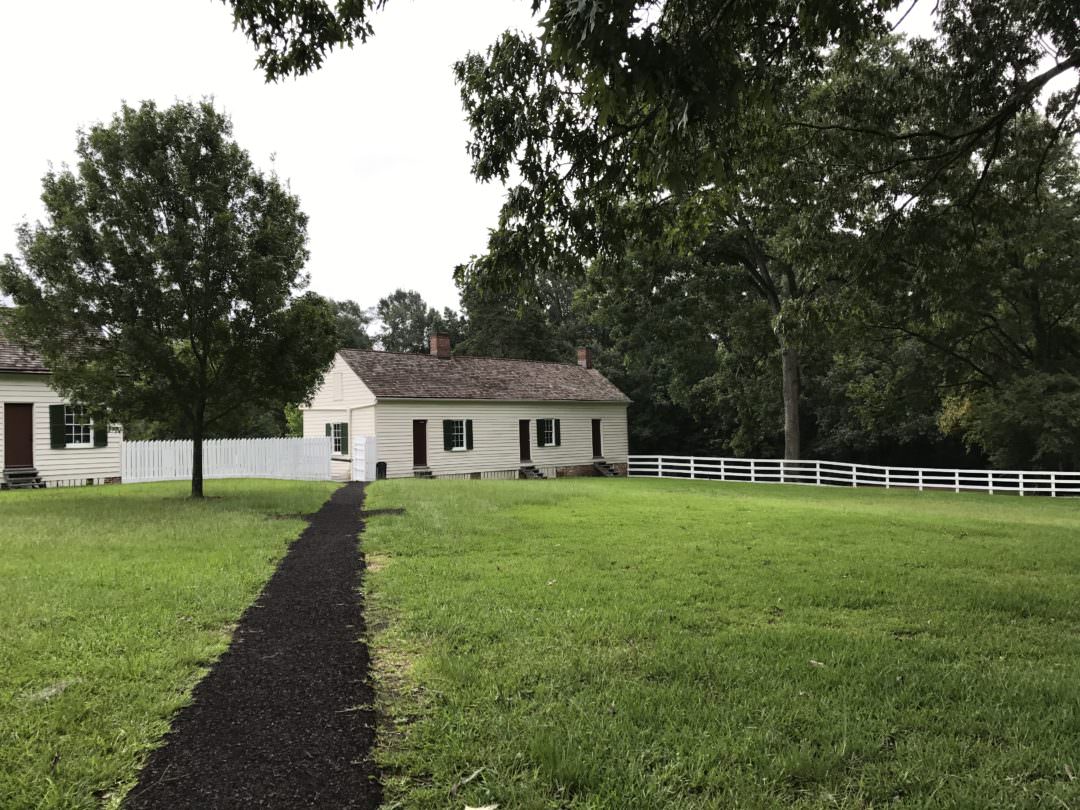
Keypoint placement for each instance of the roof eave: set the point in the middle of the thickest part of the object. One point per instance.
(384, 398)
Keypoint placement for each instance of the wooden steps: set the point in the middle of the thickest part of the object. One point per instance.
(21, 478)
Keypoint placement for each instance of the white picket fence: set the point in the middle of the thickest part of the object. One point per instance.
(838, 473)
(293, 459)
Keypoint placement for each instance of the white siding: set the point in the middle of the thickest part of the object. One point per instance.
(55, 466)
(495, 434)
(315, 421)
(340, 389)
(361, 422)
(342, 397)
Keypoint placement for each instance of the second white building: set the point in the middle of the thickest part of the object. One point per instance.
(441, 415)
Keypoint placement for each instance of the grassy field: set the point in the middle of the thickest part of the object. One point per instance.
(643, 644)
(113, 602)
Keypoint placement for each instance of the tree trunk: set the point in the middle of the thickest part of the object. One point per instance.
(197, 456)
(790, 370)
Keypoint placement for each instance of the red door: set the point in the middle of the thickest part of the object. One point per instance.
(419, 442)
(525, 439)
(18, 436)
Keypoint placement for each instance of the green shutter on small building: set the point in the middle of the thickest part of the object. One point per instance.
(539, 432)
(468, 434)
(558, 433)
(56, 427)
(447, 434)
(344, 438)
(329, 429)
(101, 436)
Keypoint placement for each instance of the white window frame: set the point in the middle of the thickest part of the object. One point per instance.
(547, 427)
(73, 413)
(335, 436)
(457, 431)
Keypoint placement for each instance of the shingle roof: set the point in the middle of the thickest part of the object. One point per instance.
(14, 357)
(390, 375)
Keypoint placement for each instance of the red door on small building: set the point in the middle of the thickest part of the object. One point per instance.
(18, 435)
(419, 442)
(525, 440)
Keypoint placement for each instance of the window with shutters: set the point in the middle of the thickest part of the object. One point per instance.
(548, 433)
(337, 431)
(78, 427)
(546, 429)
(457, 434)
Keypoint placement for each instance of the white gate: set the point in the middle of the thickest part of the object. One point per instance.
(364, 458)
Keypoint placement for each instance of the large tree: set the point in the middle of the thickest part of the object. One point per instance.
(352, 323)
(163, 283)
(408, 322)
(989, 286)
(534, 318)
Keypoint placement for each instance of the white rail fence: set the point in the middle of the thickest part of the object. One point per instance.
(838, 473)
(294, 459)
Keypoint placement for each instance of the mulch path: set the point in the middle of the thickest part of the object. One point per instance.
(284, 718)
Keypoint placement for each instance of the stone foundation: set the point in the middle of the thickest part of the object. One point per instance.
(586, 470)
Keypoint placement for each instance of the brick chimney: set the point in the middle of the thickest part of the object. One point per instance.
(440, 345)
(584, 357)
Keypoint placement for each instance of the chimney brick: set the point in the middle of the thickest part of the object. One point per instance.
(584, 357)
(440, 345)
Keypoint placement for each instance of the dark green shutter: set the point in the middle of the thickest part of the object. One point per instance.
(539, 432)
(447, 434)
(56, 427)
(329, 429)
(558, 433)
(468, 434)
(101, 436)
(345, 439)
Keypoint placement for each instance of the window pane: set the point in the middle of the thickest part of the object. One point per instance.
(78, 428)
(547, 426)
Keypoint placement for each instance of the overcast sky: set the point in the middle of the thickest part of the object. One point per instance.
(373, 143)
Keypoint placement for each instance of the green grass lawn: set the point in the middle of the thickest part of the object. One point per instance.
(639, 644)
(113, 602)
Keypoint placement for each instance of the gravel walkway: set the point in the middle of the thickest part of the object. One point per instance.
(284, 718)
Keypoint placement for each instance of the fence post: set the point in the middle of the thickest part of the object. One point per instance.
(854, 470)
(990, 482)
(956, 479)
(1021, 480)
(817, 472)
(693, 467)
(723, 472)
(753, 477)
(920, 480)
(783, 471)
(1053, 484)
(887, 486)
